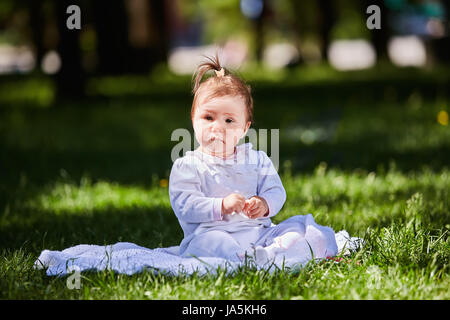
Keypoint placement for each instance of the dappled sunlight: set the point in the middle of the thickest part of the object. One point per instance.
(51, 62)
(405, 130)
(87, 197)
(95, 129)
(16, 59)
(407, 51)
(358, 198)
(279, 55)
(33, 93)
(352, 54)
(184, 60)
(61, 213)
(442, 118)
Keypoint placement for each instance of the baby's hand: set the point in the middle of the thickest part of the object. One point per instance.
(256, 207)
(233, 203)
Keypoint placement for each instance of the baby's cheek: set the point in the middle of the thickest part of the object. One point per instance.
(234, 135)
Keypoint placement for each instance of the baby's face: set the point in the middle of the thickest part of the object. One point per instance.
(219, 124)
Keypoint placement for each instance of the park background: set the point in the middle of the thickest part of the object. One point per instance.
(86, 118)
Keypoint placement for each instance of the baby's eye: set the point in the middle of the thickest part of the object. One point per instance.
(229, 120)
(208, 118)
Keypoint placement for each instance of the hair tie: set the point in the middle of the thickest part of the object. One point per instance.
(220, 73)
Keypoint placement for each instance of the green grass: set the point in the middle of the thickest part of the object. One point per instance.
(361, 152)
(406, 255)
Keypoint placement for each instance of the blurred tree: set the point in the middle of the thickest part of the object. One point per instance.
(442, 45)
(438, 42)
(446, 4)
(222, 20)
(327, 19)
(148, 34)
(379, 37)
(132, 36)
(111, 25)
(260, 23)
(301, 17)
(71, 76)
(37, 29)
(13, 22)
(160, 11)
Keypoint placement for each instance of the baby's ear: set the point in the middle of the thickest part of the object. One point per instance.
(247, 126)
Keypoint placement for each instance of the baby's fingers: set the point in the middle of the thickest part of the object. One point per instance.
(246, 209)
(246, 205)
(255, 213)
(251, 204)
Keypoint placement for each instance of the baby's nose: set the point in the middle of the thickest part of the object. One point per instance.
(217, 126)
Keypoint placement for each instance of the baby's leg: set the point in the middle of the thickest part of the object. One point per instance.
(321, 240)
(281, 244)
(214, 243)
(284, 241)
(318, 241)
(296, 238)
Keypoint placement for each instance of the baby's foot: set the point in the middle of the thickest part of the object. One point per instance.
(262, 256)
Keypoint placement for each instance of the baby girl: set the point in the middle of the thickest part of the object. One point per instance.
(225, 194)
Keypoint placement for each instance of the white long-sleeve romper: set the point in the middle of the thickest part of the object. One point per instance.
(197, 185)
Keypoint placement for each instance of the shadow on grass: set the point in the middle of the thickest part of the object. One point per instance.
(35, 231)
(147, 167)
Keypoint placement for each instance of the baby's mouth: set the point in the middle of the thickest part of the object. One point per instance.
(215, 139)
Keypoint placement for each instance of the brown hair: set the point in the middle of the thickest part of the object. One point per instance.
(219, 86)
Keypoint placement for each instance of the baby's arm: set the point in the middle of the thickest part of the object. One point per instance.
(270, 187)
(188, 201)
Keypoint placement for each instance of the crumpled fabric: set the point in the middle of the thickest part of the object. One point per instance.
(129, 258)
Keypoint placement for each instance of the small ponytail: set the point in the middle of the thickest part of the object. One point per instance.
(212, 64)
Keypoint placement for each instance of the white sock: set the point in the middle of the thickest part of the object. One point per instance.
(280, 245)
(263, 255)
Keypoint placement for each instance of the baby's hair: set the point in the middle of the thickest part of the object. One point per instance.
(221, 84)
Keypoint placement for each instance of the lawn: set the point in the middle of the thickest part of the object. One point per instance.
(361, 151)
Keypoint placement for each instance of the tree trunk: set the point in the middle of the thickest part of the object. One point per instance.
(259, 24)
(36, 23)
(379, 37)
(160, 11)
(327, 18)
(70, 78)
(113, 51)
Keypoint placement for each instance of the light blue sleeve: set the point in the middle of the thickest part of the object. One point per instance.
(270, 186)
(188, 201)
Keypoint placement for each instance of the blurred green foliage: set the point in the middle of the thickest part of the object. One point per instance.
(355, 119)
(351, 22)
